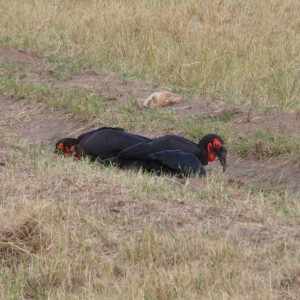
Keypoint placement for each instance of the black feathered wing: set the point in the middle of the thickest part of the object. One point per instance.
(90, 133)
(179, 161)
(107, 143)
(169, 142)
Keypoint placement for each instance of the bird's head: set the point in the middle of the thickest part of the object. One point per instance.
(212, 147)
(66, 146)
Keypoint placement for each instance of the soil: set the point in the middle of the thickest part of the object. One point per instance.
(40, 125)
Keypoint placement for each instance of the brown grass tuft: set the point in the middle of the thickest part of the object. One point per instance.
(25, 235)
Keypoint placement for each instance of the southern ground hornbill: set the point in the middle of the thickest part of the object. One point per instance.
(102, 143)
(169, 154)
(175, 154)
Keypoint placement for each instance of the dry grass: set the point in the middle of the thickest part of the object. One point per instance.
(235, 51)
(75, 230)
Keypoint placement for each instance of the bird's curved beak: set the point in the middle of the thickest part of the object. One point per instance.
(221, 154)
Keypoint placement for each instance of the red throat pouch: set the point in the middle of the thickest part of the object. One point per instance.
(72, 149)
(75, 154)
(211, 154)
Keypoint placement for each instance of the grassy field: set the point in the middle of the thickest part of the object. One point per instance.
(237, 51)
(80, 231)
(76, 230)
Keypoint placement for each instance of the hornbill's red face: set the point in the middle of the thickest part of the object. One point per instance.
(213, 147)
(67, 146)
(75, 153)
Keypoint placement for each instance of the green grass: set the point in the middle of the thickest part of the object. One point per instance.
(63, 67)
(231, 51)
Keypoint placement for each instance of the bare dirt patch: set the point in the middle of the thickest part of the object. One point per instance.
(32, 121)
(271, 123)
(38, 124)
(27, 66)
(275, 173)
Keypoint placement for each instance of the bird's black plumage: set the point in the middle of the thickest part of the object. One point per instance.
(178, 161)
(102, 143)
(107, 143)
(168, 154)
(67, 143)
(176, 153)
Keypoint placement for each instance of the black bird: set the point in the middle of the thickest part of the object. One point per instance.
(64, 145)
(175, 154)
(102, 143)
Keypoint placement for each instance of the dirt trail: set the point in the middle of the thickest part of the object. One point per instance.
(37, 124)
